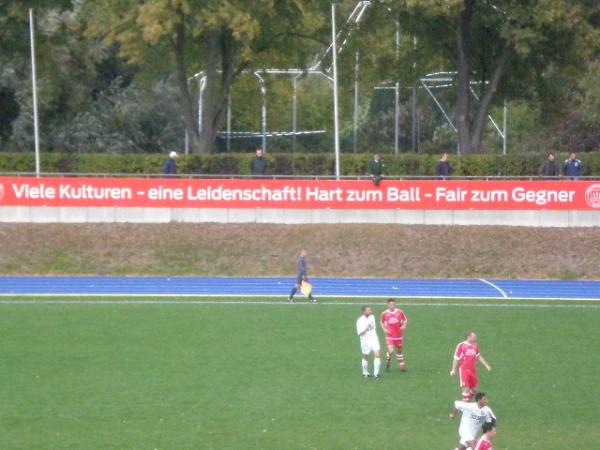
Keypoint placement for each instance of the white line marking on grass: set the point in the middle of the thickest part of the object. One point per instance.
(284, 303)
(494, 286)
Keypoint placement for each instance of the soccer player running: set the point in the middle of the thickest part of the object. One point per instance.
(485, 442)
(300, 277)
(369, 342)
(393, 321)
(465, 358)
(474, 415)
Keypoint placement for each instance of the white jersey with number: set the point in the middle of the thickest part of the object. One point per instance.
(473, 418)
(369, 342)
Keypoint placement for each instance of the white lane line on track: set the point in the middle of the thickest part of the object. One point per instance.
(284, 303)
(282, 296)
(489, 283)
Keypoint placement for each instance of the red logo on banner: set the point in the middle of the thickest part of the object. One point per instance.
(1, 191)
(592, 196)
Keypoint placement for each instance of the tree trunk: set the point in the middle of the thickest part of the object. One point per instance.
(187, 103)
(220, 44)
(470, 130)
(228, 74)
(486, 102)
(463, 103)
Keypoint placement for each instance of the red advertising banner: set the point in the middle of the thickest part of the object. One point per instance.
(301, 194)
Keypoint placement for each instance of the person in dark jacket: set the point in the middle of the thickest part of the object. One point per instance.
(550, 168)
(443, 168)
(301, 276)
(170, 167)
(376, 169)
(573, 167)
(258, 166)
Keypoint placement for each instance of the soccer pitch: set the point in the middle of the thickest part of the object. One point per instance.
(90, 373)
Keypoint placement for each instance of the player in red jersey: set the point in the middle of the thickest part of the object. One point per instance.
(465, 358)
(485, 441)
(393, 321)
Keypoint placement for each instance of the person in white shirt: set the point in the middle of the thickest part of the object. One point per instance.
(369, 342)
(474, 415)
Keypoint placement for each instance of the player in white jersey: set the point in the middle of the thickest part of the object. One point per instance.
(369, 342)
(474, 415)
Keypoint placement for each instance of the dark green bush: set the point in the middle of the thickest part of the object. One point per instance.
(286, 164)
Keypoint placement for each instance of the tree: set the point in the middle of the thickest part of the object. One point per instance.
(222, 38)
(68, 76)
(507, 45)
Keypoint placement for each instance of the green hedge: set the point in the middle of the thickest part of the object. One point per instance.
(285, 164)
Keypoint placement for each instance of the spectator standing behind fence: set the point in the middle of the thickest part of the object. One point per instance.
(170, 167)
(376, 168)
(573, 166)
(443, 168)
(550, 167)
(258, 166)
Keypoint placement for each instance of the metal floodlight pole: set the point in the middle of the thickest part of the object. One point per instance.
(336, 124)
(397, 109)
(505, 128)
(397, 118)
(229, 122)
(397, 40)
(351, 23)
(201, 87)
(295, 111)
(413, 105)
(263, 90)
(356, 99)
(36, 128)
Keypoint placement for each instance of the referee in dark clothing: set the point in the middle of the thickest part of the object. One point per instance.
(300, 277)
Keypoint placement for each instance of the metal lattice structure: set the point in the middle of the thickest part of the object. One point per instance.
(315, 69)
(429, 83)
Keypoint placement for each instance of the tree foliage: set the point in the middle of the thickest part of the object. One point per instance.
(219, 38)
(115, 75)
(509, 46)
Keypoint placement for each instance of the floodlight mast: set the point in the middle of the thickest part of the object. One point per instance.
(336, 124)
(356, 99)
(352, 24)
(353, 20)
(263, 91)
(36, 128)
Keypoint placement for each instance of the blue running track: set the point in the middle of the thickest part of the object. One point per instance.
(280, 286)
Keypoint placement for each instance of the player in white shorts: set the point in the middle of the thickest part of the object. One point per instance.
(369, 342)
(474, 415)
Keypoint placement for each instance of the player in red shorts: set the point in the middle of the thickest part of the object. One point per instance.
(485, 441)
(393, 321)
(465, 358)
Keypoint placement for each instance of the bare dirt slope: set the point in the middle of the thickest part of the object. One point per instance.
(334, 250)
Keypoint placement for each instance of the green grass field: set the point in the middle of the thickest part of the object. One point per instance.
(263, 376)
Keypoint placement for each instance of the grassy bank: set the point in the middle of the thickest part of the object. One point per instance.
(334, 250)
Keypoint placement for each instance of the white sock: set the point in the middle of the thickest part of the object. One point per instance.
(365, 367)
(376, 365)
